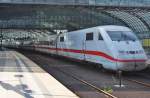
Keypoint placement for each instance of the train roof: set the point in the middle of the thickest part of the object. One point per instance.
(112, 26)
(108, 27)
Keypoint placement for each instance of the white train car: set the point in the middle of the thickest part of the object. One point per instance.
(113, 47)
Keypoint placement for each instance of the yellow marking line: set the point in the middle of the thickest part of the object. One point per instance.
(106, 93)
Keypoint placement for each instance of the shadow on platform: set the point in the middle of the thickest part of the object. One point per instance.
(21, 89)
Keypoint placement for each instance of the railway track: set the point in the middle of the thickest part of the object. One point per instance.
(139, 81)
(99, 90)
(88, 84)
(73, 76)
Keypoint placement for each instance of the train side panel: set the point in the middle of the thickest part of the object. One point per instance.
(72, 46)
(89, 45)
(97, 49)
(95, 45)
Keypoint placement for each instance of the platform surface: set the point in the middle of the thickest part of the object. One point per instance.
(21, 78)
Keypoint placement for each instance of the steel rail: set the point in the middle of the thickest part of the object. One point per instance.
(89, 84)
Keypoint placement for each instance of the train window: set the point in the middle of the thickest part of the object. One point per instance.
(61, 39)
(89, 36)
(100, 36)
(121, 36)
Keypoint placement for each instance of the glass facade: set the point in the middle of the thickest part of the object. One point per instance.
(123, 2)
(61, 17)
(85, 2)
(133, 22)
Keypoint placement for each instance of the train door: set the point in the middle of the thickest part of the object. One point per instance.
(83, 49)
(90, 46)
(61, 45)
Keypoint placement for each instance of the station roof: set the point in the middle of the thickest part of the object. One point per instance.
(30, 17)
(129, 3)
(72, 17)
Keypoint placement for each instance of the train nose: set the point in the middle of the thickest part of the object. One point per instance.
(134, 60)
(132, 66)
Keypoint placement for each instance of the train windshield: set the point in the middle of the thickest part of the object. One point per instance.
(122, 36)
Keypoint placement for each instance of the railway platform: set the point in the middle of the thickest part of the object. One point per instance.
(22, 78)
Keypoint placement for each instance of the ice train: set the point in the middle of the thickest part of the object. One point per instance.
(112, 47)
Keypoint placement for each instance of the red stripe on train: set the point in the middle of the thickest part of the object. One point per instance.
(96, 53)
